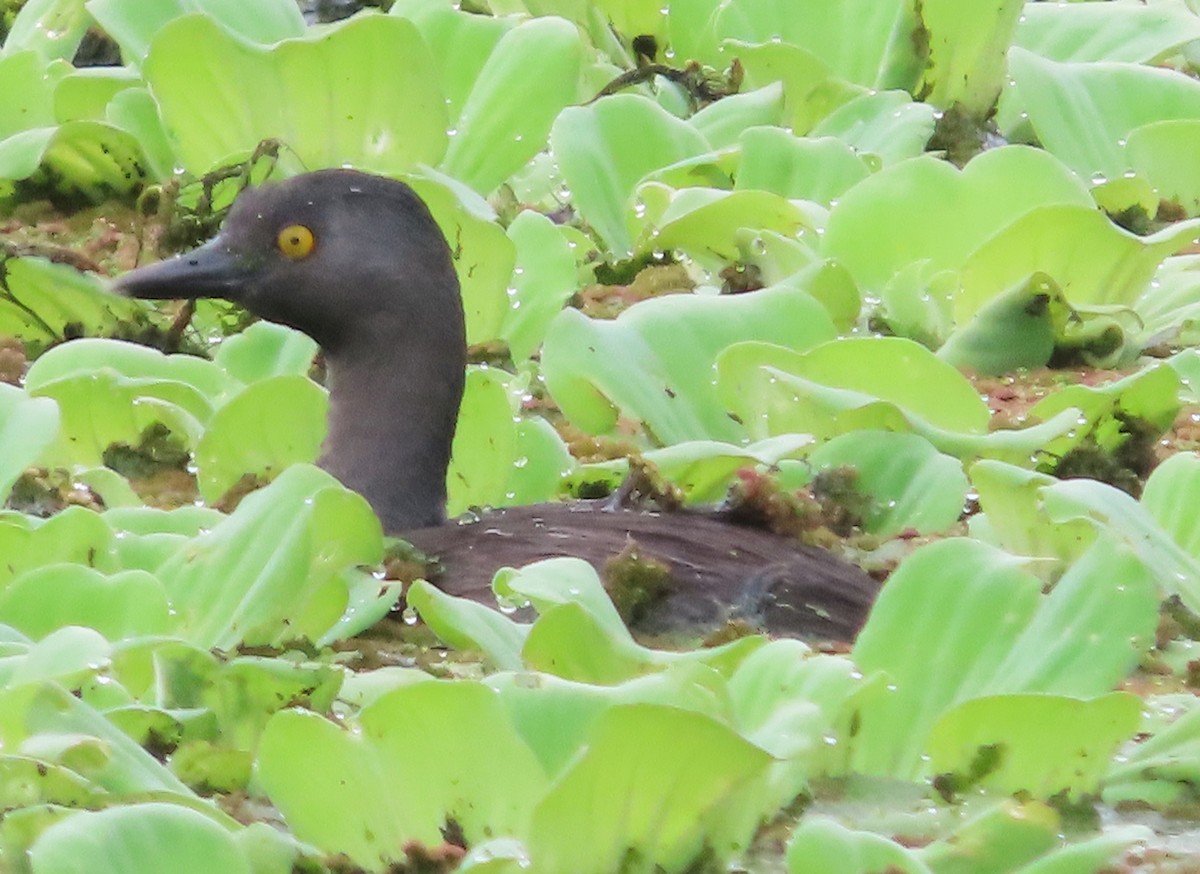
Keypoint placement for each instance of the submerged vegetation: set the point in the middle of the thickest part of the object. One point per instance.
(917, 280)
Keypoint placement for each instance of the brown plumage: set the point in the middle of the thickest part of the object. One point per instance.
(370, 277)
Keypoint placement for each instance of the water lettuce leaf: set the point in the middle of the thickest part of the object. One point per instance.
(994, 634)
(417, 756)
(128, 837)
(1084, 113)
(219, 96)
(602, 164)
(671, 343)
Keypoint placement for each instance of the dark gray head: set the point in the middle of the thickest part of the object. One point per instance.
(356, 262)
(328, 253)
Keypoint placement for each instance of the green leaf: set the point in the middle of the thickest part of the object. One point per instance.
(968, 49)
(1010, 496)
(112, 392)
(579, 634)
(997, 840)
(1168, 495)
(820, 169)
(246, 691)
(784, 676)
(460, 42)
(127, 604)
(39, 299)
(1117, 516)
(468, 625)
(368, 601)
(655, 361)
(485, 444)
(51, 28)
(134, 110)
(572, 642)
(911, 484)
(1187, 365)
(811, 90)
(705, 223)
(86, 93)
(1090, 855)
(84, 160)
(497, 856)
(1112, 416)
(286, 416)
(1038, 744)
(861, 40)
(69, 657)
(30, 83)
(263, 350)
(25, 781)
(703, 469)
(1157, 153)
(926, 210)
(108, 485)
(1015, 328)
(497, 458)
(1093, 260)
(273, 571)
(145, 837)
(483, 254)
(632, 16)
(27, 426)
(669, 779)
(887, 124)
(134, 23)
(723, 121)
(543, 280)
(150, 536)
(926, 599)
(898, 372)
(822, 844)
(1159, 768)
(558, 717)
(786, 700)
(985, 629)
(74, 534)
(358, 93)
(917, 303)
(1083, 113)
(690, 24)
(1106, 31)
(58, 125)
(542, 464)
(48, 722)
(885, 383)
(531, 74)
(139, 363)
(1091, 629)
(602, 164)
(417, 756)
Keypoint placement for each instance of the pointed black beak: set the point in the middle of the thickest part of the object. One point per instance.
(213, 270)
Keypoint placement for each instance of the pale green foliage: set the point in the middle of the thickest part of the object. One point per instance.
(369, 58)
(989, 662)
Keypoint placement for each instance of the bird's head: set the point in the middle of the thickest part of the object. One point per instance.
(333, 253)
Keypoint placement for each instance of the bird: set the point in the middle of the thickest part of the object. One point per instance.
(357, 262)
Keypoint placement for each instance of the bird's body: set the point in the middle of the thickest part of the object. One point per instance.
(358, 263)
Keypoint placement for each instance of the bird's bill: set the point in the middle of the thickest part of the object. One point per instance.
(213, 270)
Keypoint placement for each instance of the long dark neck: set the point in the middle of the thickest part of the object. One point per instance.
(393, 406)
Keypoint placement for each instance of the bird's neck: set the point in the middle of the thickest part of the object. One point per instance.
(392, 411)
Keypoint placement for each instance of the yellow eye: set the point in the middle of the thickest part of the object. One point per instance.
(296, 242)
